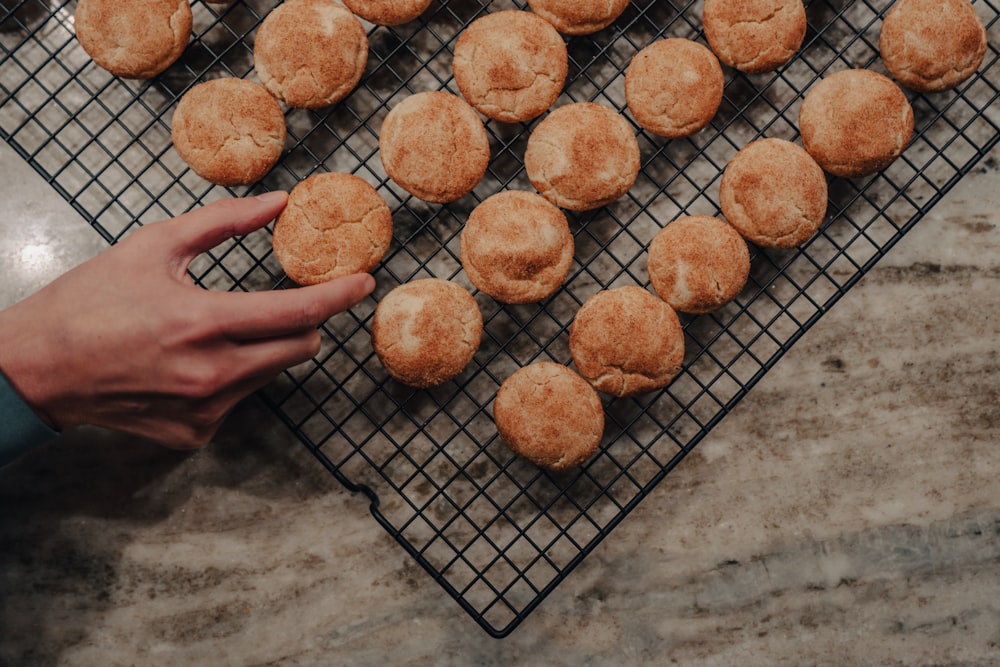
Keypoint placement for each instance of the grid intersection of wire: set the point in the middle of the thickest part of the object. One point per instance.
(498, 534)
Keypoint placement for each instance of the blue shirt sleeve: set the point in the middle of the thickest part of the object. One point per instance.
(20, 428)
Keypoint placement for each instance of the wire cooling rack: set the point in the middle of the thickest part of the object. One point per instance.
(498, 534)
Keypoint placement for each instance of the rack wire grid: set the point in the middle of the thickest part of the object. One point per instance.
(497, 533)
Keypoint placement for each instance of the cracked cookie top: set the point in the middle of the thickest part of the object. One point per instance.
(549, 415)
(334, 225)
(855, 122)
(582, 156)
(510, 65)
(627, 341)
(434, 145)
(426, 332)
(774, 193)
(388, 12)
(134, 40)
(229, 131)
(310, 53)
(673, 87)
(579, 17)
(754, 36)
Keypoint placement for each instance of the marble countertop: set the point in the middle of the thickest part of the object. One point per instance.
(847, 512)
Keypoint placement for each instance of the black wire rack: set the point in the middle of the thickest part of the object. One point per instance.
(497, 533)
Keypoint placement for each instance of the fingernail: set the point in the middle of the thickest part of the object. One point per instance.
(369, 285)
(269, 197)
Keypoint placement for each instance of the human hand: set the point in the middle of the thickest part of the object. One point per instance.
(127, 341)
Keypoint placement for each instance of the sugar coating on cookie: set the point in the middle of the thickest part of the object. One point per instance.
(434, 145)
(310, 53)
(388, 12)
(626, 341)
(855, 122)
(334, 225)
(517, 247)
(510, 65)
(137, 39)
(698, 264)
(932, 45)
(582, 156)
(549, 415)
(754, 36)
(229, 131)
(579, 17)
(774, 193)
(673, 87)
(426, 332)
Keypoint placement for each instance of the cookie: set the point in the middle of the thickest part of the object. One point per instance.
(673, 87)
(549, 415)
(582, 156)
(334, 225)
(310, 53)
(754, 36)
(855, 122)
(774, 193)
(229, 131)
(626, 341)
(426, 332)
(510, 65)
(517, 247)
(698, 264)
(434, 146)
(133, 40)
(932, 45)
(388, 12)
(579, 17)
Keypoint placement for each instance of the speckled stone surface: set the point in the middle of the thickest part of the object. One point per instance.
(847, 513)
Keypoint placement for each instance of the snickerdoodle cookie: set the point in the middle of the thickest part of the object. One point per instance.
(932, 45)
(517, 247)
(579, 17)
(426, 332)
(510, 65)
(582, 156)
(626, 341)
(229, 131)
(698, 263)
(388, 12)
(673, 87)
(334, 225)
(549, 415)
(435, 146)
(855, 122)
(754, 35)
(774, 193)
(310, 53)
(134, 40)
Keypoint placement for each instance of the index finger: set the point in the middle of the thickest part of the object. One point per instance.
(255, 315)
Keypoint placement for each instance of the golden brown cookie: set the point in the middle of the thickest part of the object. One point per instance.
(388, 12)
(625, 341)
(673, 87)
(582, 156)
(435, 146)
(310, 53)
(774, 193)
(426, 332)
(549, 415)
(932, 45)
(579, 17)
(136, 39)
(229, 131)
(855, 122)
(754, 35)
(510, 65)
(698, 264)
(517, 247)
(334, 225)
